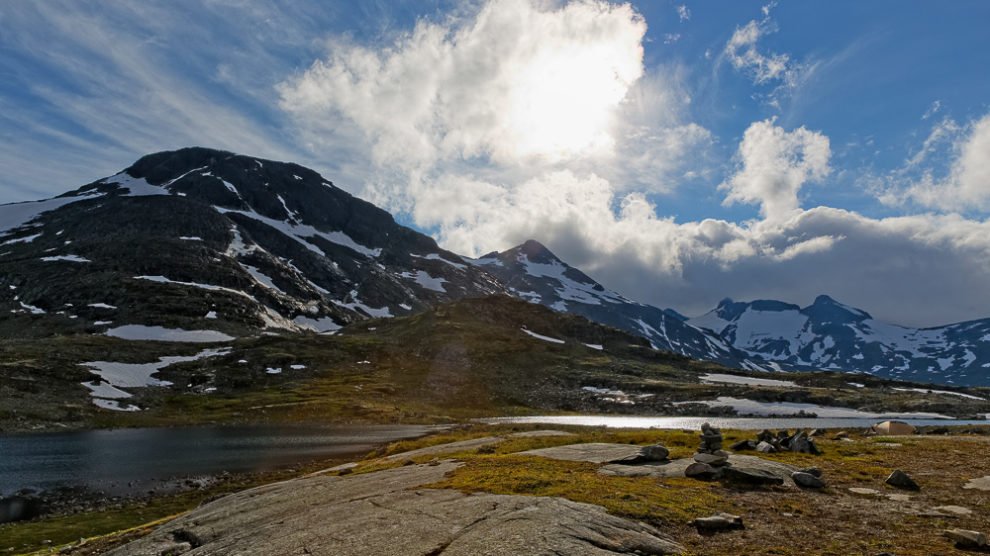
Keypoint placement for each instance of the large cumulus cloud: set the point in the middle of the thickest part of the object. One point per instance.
(484, 130)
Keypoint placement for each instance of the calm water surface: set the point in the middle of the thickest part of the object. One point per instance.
(745, 423)
(132, 460)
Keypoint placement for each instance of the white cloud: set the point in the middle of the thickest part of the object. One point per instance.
(963, 186)
(515, 84)
(935, 107)
(774, 165)
(683, 12)
(430, 106)
(765, 67)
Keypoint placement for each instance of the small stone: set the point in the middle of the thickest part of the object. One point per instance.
(807, 480)
(718, 522)
(714, 460)
(812, 471)
(966, 539)
(900, 479)
(765, 447)
(699, 470)
(743, 446)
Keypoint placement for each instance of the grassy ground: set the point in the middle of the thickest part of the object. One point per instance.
(782, 521)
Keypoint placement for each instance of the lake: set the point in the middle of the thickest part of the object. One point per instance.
(746, 423)
(124, 461)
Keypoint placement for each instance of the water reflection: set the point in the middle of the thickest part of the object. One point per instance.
(130, 460)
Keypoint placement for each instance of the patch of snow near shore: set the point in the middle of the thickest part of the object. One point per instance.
(114, 405)
(102, 306)
(745, 407)
(598, 347)
(542, 337)
(945, 392)
(114, 376)
(138, 375)
(746, 380)
(162, 334)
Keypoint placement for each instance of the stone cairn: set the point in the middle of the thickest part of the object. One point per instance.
(710, 450)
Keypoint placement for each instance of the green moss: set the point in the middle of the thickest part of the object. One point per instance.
(668, 501)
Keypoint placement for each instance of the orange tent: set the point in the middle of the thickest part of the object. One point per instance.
(894, 428)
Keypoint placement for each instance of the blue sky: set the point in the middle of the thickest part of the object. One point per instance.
(678, 151)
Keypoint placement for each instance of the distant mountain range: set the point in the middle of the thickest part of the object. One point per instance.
(205, 240)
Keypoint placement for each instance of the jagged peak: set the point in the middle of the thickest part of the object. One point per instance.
(826, 307)
(536, 252)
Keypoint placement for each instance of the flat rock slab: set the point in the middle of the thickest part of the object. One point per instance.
(540, 434)
(864, 491)
(448, 448)
(983, 483)
(594, 452)
(954, 510)
(385, 514)
(675, 468)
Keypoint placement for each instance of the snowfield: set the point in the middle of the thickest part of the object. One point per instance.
(162, 334)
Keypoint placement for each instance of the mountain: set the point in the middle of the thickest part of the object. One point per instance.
(200, 244)
(205, 239)
(530, 271)
(830, 335)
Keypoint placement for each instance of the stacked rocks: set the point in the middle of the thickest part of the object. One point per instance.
(710, 455)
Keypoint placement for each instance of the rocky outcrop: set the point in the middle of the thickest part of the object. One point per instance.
(388, 513)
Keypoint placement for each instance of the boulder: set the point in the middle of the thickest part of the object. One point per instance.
(816, 433)
(718, 522)
(714, 460)
(743, 446)
(765, 447)
(655, 452)
(841, 435)
(900, 479)
(750, 477)
(966, 539)
(807, 480)
(698, 470)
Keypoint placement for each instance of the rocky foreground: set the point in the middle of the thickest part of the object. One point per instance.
(497, 491)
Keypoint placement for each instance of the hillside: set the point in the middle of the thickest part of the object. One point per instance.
(478, 357)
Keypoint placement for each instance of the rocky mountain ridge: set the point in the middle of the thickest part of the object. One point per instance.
(210, 242)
